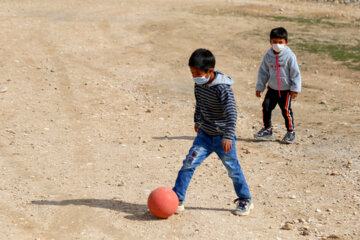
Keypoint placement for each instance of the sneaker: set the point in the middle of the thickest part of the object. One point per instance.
(180, 208)
(263, 134)
(243, 206)
(289, 137)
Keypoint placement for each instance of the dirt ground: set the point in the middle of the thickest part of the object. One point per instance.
(99, 107)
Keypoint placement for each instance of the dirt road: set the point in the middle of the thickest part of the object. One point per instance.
(99, 106)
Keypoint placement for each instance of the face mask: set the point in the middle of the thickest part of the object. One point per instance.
(278, 47)
(201, 80)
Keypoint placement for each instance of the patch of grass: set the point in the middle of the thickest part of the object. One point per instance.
(307, 21)
(348, 54)
(308, 40)
(327, 21)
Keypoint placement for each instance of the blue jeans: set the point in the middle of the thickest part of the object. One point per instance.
(202, 147)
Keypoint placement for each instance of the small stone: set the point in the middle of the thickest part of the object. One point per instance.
(138, 165)
(323, 102)
(329, 210)
(3, 89)
(335, 173)
(318, 210)
(292, 197)
(316, 71)
(287, 226)
(148, 111)
(10, 131)
(305, 233)
(126, 108)
(333, 236)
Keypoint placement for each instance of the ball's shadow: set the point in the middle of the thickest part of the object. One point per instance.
(137, 212)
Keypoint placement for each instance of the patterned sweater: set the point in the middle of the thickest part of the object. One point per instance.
(215, 110)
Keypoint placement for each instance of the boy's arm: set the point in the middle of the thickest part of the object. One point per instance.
(263, 76)
(228, 102)
(295, 76)
(197, 114)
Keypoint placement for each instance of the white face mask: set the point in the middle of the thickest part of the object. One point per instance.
(278, 47)
(201, 80)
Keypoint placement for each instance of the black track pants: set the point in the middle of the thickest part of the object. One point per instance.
(271, 99)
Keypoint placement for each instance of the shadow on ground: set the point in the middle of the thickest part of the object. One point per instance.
(175, 138)
(138, 212)
(252, 140)
(249, 140)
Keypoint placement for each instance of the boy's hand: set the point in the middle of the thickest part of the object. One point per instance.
(258, 93)
(294, 95)
(227, 145)
(196, 128)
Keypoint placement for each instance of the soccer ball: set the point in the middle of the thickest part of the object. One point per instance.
(163, 202)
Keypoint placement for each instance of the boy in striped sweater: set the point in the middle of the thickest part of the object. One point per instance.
(215, 120)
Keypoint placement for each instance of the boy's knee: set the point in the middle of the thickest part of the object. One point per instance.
(266, 106)
(188, 163)
(190, 160)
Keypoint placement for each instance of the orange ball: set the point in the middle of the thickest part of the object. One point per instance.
(163, 202)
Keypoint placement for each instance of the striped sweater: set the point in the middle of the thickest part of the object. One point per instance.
(215, 110)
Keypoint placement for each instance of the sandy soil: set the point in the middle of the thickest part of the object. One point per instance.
(99, 107)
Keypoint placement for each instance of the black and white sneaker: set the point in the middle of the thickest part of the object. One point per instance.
(264, 134)
(289, 137)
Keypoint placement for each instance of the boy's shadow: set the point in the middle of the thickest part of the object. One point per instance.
(249, 140)
(253, 140)
(175, 138)
(138, 212)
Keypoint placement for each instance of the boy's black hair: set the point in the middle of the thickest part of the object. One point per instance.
(202, 59)
(279, 32)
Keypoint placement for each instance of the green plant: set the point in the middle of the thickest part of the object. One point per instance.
(348, 54)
